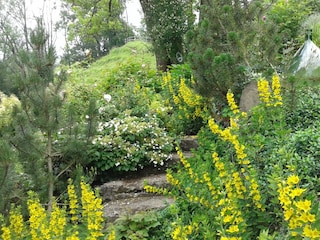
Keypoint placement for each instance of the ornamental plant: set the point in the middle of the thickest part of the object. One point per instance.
(301, 214)
(231, 192)
(129, 143)
(83, 219)
(187, 106)
(227, 191)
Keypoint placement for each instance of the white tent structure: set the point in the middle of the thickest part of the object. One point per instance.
(307, 59)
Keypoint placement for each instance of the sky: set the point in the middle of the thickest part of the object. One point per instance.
(132, 15)
(134, 12)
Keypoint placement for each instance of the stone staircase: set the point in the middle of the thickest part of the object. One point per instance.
(127, 195)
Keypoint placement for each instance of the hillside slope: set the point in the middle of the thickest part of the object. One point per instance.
(136, 52)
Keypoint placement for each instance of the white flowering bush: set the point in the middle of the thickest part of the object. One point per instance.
(129, 143)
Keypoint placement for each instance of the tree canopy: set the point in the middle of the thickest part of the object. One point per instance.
(95, 25)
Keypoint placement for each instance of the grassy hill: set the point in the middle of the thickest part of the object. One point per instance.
(137, 53)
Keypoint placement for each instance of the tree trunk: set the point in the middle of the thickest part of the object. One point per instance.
(25, 26)
(50, 172)
(162, 58)
(162, 61)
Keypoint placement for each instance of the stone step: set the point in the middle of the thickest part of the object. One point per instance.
(130, 206)
(187, 143)
(129, 188)
(127, 195)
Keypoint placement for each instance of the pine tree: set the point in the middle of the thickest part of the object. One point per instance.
(41, 101)
(230, 40)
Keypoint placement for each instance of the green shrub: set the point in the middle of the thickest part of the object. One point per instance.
(136, 227)
(129, 143)
(186, 106)
(303, 108)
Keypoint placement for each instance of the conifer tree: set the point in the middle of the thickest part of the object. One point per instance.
(41, 100)
(232, 38)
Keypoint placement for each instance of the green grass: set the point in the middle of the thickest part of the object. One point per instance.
(133, 52)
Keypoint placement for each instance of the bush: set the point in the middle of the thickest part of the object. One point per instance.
(82, 220)
(303, 108)
(129, 143)
(136, 227)
(237, 186)
(186, 106)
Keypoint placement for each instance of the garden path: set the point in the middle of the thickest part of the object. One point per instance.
(127, 195)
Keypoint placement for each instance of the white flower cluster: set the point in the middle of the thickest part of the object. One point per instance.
(133, 141)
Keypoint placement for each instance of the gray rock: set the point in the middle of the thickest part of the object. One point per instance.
(249, 97)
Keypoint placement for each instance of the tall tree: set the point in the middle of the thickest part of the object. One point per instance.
(34, 130)
(232, 39)
(39, 93)
(96, 25)
(167, 21)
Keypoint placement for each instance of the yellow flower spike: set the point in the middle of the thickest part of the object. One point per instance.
(37, 220)
(16, 226)
(303, 205)
(213, 126)
(232, 104)
(172, 180)
(276, 88)
(264, 93)
(6, 234)
(73, 202)
(293, 180)
(57, 221)
(112, 235)
(92, 211)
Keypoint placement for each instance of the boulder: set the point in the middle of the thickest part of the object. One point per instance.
(249, 97)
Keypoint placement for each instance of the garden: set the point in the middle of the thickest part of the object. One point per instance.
(68, 128)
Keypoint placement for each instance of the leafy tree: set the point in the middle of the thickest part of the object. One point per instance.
(94, 25)
(232, 39)
(290, 15)
(167, 21)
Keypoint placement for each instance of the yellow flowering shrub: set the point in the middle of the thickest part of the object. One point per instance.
(270, 96)
(222, 189)
(227, 190)
(297, 210)
(59, 224)
(187, 105)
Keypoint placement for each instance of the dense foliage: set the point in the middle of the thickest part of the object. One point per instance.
(254, 174)
(166, 22)
(240, 193)
(228, 44)
(93, 28)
